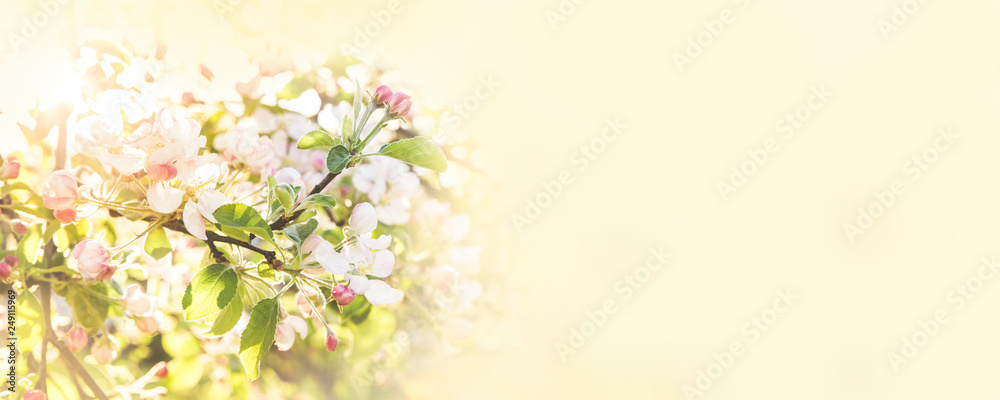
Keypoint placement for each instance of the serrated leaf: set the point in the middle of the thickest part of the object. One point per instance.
(229, 316)
(89, 310)
(298, 233)
(258, 336)
(157, 245)
(418, 151)
(337, 159)
(315, 140)
(210, 290)
(321, 199)
(238, 215)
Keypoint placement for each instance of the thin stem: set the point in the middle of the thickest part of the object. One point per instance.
(139, 236)
(282, 222)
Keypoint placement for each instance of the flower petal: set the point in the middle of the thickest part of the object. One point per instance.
(164, 199)
(299, 325)
(330, 259)
(358, 284)
(363, 220)
(381, 243)
(380, 293)
(193, 222)
(209, 201)
(382, 265)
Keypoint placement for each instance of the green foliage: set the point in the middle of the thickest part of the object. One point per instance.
(90, 305)
(27, 248)
(418, 151)
(258, 336)
(157, 245)
(30, 327)
(298, 233)
(321, 200)
(316, 140)
(244, 217)
(337, 159)
(210, 290)
(229, 316)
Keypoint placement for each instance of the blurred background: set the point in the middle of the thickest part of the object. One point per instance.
(721, 200)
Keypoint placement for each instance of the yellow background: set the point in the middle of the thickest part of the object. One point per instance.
(656, 185)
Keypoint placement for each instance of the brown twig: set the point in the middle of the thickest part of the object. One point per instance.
(282, 222)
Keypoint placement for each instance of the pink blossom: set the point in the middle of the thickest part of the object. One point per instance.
(11, 169)
(342, 294)
(5, 270)
(161, 172)
(35, 395)
(66, 216)
(92, 260)
(76, 339)
(399, 104)
(331, 342)
(104, 351)
(60, 190)
(382, 94)
(19, 227)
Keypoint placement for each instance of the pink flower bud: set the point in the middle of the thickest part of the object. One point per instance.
(35, 395)
(399, 104)
(76, 339)
(161, 172)
(342, 294)
(104, 352)
(11, 169)
(162, 371)
(10, 259)
(92, 260)
(66, 216)
(19, 227)
(331, 342)
(382, 94)
(60, 191)
(5, 270)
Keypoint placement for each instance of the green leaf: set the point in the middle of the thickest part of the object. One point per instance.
(258, 336)
(337, 159)
(89, 310)
(298, 233)
(316, 140)
(321, 199)
(229, 316)
(265, 271)
(346, 129)
(238, 215)
(285, 196)
(30, 327)
(418, 151)
(27, 248)
(211, 290)
(157, 245)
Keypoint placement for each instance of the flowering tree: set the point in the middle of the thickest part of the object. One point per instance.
(284, 230)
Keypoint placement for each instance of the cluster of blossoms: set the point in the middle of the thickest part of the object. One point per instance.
(204, 216)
